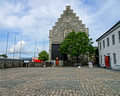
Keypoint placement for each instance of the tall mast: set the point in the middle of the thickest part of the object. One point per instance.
(35, 48)
(14, 47)
(7, 42)
(20, 49)
(43, 44)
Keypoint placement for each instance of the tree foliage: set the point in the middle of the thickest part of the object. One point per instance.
(43, 55)
(77, 43)
(4, 55)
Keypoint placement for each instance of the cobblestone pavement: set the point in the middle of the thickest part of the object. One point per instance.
(59, 81)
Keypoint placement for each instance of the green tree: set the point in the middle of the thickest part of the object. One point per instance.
(43, 55)
(77, 43)
(4, 55)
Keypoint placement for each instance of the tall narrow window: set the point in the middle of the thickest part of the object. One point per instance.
(113, 39)
(100, 45)
(103, 43)
(101, 58)
(107, 42)
(119, 36)
(114, 58)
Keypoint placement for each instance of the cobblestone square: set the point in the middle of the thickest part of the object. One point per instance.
(59, 81)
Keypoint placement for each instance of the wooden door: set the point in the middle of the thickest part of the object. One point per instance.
(107, 63)
(57, 62)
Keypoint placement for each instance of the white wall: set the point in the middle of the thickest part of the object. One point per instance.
(111, 49)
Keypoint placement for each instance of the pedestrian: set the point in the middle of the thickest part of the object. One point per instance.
(44, 64)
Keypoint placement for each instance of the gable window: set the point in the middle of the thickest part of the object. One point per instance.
(113, 39)
(119, 36)
(103, 43)
(114, 58)
(108, 42)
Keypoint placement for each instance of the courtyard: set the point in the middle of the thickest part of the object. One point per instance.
(59, 81)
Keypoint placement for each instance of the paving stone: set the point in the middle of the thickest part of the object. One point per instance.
(11, 83)
(59, 81)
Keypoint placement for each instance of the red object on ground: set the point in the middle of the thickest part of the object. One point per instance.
(107, 63)
(36, 60)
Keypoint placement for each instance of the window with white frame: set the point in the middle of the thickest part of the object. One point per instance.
(103, 43)
(119, 36)
(108, 42)
(100, 45)
(113, 39)
(114, 58)
(101, 58)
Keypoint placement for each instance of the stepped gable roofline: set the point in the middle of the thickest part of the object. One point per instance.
(68, 7)
(109, 31)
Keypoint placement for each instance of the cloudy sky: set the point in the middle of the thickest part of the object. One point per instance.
(31, 20)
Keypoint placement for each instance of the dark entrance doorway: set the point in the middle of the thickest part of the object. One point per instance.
(56, 53)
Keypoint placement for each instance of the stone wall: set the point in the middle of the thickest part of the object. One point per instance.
(1, 63)
(10, 63)
(38, 64)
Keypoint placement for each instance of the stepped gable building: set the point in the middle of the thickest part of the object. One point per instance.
(67, 22)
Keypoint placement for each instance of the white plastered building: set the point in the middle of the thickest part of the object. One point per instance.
(109, 47)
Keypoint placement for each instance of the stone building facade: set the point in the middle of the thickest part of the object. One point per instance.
(67, 22)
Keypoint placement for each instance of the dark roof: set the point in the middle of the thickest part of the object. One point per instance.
(109, 31)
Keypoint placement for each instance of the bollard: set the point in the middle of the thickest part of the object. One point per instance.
(90, 65)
